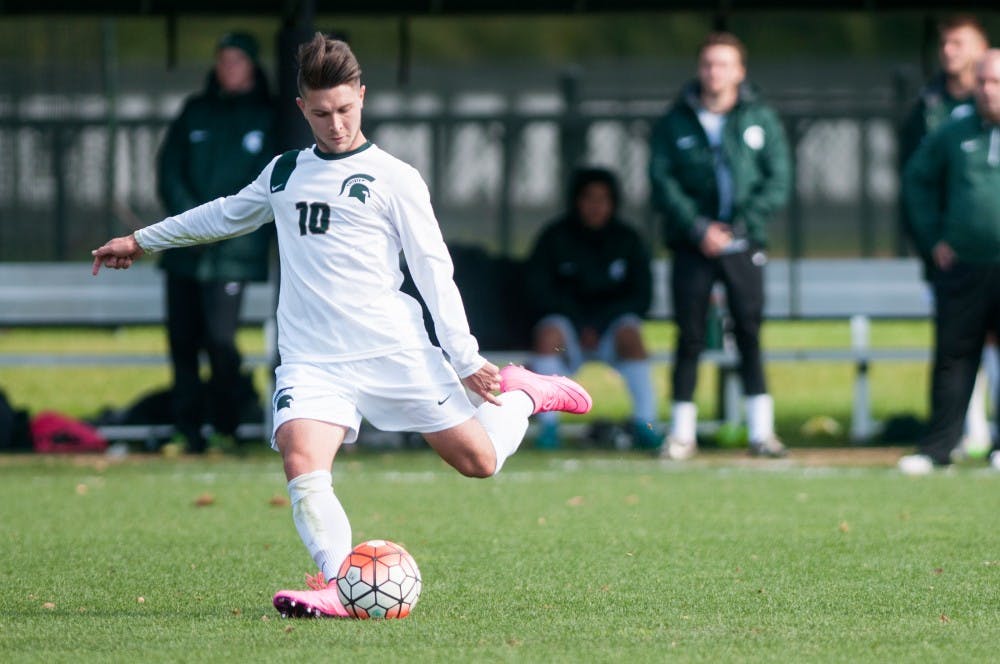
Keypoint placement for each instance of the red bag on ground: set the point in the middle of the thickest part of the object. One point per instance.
(56, 433)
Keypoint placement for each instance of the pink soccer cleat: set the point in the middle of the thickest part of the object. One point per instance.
(322, 601)
(547, 392)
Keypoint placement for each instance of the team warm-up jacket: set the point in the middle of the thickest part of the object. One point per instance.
(341, 222)
(682, 169)
(933, 108)
(590, 276)
(216, 145)
(951, 188)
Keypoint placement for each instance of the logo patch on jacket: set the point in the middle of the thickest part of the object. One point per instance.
(356, 186)
(753, 136)
(253, 141)
(686, 142)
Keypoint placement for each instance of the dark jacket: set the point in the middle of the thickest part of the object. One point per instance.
(682, 171)
(934, 107)
(216, 146)
(951, 188)
(590, 276)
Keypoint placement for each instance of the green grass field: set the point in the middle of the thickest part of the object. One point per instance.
(575, 556)
(562, 558)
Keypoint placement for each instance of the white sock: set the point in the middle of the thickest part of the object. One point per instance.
(640, 386)
(977, 426)
(684, 420)
(506, 424)
(760, 417)
(320, 520)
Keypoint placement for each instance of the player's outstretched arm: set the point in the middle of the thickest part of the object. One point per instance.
(485, 382)
(118, 254)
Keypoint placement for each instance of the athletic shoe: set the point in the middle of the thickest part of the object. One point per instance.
(995, 460)
(915, 464)
(322, 601)
(771, 448)
(548, 393)
(676, 449)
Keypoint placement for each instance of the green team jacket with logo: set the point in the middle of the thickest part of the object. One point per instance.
(682, 171)
(951, 188)
(216, 145)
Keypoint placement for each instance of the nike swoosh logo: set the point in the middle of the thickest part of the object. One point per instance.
(275, 188)
(440, 403)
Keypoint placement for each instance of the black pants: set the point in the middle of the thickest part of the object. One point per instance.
(967, 306)
(204, 316)
(691, 280)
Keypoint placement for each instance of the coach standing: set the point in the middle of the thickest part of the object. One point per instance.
(720, 170)
(951, 188)
(221, 140)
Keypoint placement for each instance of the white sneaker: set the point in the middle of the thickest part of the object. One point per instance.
(995, 460)
(771, 448)
(676, 449)
(915, 464)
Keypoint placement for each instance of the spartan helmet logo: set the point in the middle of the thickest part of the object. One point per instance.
(356, 186)
(283, 399)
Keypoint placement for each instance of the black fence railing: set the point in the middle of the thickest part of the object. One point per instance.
(495, 174)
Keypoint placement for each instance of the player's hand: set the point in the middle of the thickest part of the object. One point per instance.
(117, 254)
(485, 382)
(944, 255)
(717, 238)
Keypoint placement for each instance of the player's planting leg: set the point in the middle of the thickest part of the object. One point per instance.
(325, 530)
(320, 520)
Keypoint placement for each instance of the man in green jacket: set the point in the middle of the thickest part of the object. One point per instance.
(222, 139)
(950, 95)
(951, 188)
(720, 170)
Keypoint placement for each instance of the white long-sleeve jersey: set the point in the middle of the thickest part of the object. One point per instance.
(342, 221)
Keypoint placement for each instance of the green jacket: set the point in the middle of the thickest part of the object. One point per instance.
(589, 276)
(933, 108)
(216, 146)
(951, 189)
(682, 172)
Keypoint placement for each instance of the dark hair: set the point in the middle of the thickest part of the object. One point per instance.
(584, 177)
(326, 63)
(962, 21)
(724, 39)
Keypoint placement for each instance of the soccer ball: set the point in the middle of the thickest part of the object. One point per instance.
(378, 579)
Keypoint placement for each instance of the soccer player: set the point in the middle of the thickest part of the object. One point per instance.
(351, 344)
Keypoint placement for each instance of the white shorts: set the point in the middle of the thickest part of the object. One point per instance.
(410, 390)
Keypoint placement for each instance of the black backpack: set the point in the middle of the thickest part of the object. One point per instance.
(15, 435)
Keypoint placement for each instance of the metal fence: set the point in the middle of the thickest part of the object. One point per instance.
(496, 164)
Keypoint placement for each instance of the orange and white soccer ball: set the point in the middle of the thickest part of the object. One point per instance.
(378, 579)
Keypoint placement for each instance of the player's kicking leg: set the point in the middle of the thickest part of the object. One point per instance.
(523, 393)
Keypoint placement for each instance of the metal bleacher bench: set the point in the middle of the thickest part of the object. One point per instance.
(65, 294)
